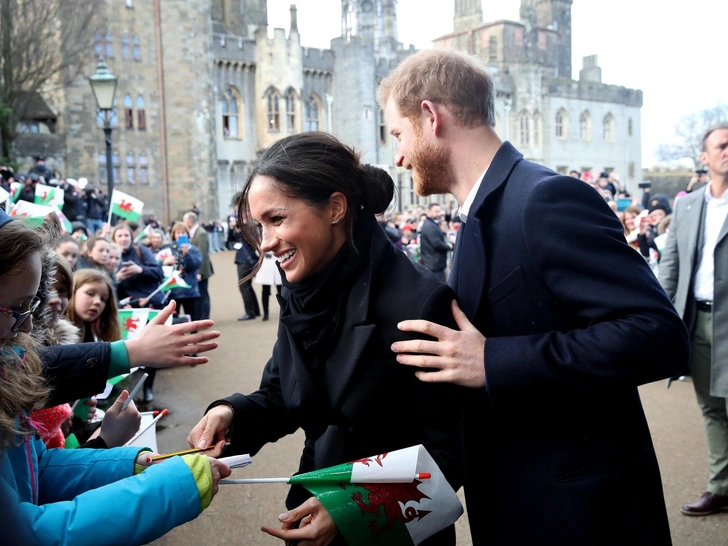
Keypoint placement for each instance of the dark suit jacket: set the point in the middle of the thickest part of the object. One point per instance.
(557, 449)
(433, 247)
(364, 402)
(201, 240)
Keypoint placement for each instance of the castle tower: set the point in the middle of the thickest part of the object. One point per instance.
(468, 14)
(556, 14)
(370, 20)
(528, 12)
(254, 15)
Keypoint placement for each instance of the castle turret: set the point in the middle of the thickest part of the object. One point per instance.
(468, 14)
(369, 20)
(556, 14)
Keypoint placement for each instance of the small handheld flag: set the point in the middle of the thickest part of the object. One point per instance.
(49, 195)
(126, 206)
(15, 189)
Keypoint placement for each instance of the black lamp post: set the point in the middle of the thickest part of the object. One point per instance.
(103, 84)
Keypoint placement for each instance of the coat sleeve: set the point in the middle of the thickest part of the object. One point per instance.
(670, 260)
(161, 498)
(631, 333)
(193, 260)
(76, 371)
(150, 268)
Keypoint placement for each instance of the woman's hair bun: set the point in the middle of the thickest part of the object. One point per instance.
(378, 189)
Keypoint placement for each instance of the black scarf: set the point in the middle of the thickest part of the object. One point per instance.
(312, 309)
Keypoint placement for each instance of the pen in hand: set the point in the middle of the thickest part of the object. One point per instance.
(134, 391)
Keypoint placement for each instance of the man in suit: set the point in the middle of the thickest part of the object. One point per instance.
(201, 239)
(433, 246)
(694, 273)
(561, 321)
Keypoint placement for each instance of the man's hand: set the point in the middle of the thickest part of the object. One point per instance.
(160, 346)
(457, 355)
(212, 428)
(317, 527)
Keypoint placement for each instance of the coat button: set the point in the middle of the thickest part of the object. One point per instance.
(91, 362)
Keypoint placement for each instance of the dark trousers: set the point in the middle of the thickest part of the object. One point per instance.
(191, 306)
(265, 296)
(204, 300)
(250, 300)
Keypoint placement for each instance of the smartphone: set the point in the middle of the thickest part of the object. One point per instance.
(183, 240)
(127, 264)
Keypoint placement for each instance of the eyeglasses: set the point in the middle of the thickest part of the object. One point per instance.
(20, 318)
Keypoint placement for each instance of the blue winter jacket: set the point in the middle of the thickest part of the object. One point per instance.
(106, 503)
(191, 263)
(146, 282)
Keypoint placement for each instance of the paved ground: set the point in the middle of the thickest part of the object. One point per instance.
(238, 511)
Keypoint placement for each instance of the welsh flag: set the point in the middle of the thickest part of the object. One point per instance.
(4, 196)
(174, 281)
(396, 498)
(133, 321)
(162, 254)
(30, 212)
(15, 189)
(49, 195)
(65, 222)
(146, 232)
(126, 206)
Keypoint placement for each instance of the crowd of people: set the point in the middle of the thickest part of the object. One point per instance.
(527, 316)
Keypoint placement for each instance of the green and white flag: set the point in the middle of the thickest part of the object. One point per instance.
(175, 280)
(132, 322)
(65, 222)
(393, 499)
(30, 212)
(15, 189)
(49, 195)
(126, 206)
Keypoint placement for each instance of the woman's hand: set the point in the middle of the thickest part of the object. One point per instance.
(317, 527)
(185, 248)
(169, 260)
(212, 429)
(92, 403)
(160, 346)
(118, 427)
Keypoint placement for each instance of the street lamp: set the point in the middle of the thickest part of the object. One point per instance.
(103, 84)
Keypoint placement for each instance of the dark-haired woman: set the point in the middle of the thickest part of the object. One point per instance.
(345, 288)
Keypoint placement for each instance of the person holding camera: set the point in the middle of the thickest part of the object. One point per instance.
(698, 180)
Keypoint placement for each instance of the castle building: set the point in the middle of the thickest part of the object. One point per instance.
(203, 89)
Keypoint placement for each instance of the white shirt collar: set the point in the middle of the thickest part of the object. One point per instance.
(709, 195)
(465, 207)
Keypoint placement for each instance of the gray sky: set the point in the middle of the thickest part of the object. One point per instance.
(675, 55)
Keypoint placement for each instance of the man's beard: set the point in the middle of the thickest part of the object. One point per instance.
(432, 171)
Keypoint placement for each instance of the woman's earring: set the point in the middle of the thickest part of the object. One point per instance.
(339, 219)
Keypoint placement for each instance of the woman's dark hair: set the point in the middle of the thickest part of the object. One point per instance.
(65, 239)
(311, 166)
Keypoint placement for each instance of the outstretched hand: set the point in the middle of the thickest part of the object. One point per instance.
(317, 527)
(161, 346)
(456, 357)
(212, 429)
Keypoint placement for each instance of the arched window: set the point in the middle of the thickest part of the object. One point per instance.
(143, 169)
(537, 129)
(608, 128)
(311, 114)
(562, 124)
(585, 126)
(98, 45)
(524, 128)
(274, 118)
(230, 114)
(290, 100)
(116, 164)
(141, 114)
(128, 112)
(130, 168)
(125, 47)
(137, 50)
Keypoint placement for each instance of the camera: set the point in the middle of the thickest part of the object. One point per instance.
(645, 184)
(701, 171)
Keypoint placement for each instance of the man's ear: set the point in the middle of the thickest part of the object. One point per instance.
(432, 116)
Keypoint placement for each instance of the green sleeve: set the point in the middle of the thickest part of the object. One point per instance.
(119, 364)
(201, 471)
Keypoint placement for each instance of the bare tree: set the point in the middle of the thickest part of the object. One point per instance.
(43, 43)
(689, 132)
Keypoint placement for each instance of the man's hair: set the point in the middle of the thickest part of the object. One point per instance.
(459, 82)
(190, 216)
(432, 206)
(713, 129)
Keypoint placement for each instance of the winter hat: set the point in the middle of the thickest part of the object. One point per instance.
(4, 218)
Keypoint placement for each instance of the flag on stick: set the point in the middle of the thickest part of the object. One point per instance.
(15, 189)
(146, 232)
(173, 281)
(395, 498)
(49, 195)
(132, 322)
(126, 206)
(162, 254)
(30, 212)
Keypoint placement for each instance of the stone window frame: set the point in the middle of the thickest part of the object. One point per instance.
(125, 47)
(537, 123)
(137, 50)
(272, 97)
(128, 112)
(143, 168)
(98, 44)
(109, 43)
(101, 161)
(524, 128)
(312, 113)
(561, 127)
(231, 106)
(290, 99)
(130, 167)
(141, 113)
(585, 126)
(608, 128)
(382, 128)
(116, 166)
